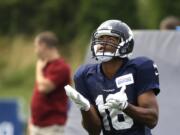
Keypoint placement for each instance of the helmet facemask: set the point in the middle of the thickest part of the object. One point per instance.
(104, 50)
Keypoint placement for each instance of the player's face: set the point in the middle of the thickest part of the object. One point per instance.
(109, 44)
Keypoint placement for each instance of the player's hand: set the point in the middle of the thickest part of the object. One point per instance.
(117, 100)
(77, 98)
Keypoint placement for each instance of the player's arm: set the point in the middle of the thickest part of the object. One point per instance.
(91, 121)
(147, 110)
(44, 84)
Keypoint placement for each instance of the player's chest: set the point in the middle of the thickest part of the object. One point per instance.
(100, 86)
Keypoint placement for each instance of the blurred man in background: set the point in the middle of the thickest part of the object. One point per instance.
(49, 104)
(117, 95)
(170, 23)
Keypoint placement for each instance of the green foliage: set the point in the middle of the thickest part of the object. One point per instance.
(148, 13)
(18, 84)
(93, 12)
(169, 7)
(33, 16)
(68, 18)
(151, 12)
(3, 65)
(17, 78)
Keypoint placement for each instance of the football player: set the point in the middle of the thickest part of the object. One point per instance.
(118, 95)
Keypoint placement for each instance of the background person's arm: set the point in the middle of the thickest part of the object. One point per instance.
(44, 84)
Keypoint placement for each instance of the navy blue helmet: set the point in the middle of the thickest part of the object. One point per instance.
(115, 28)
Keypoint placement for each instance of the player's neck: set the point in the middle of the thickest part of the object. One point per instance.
(111, 67)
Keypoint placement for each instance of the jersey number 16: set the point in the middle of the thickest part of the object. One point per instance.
(113, 115)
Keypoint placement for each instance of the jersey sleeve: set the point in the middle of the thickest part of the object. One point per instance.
(80, 82)
(59, 75)
(147, 77)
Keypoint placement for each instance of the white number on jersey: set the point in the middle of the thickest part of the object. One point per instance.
(117, 125)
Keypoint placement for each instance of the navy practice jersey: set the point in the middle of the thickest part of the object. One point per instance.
(139, 75)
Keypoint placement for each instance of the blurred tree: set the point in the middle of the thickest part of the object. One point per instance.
(32, 16)
(68, 18)
(93, 12)
(169, 8)
(151, 12)
(148, 13)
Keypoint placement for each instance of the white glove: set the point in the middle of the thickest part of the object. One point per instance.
(117, 100)
(77, 98)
